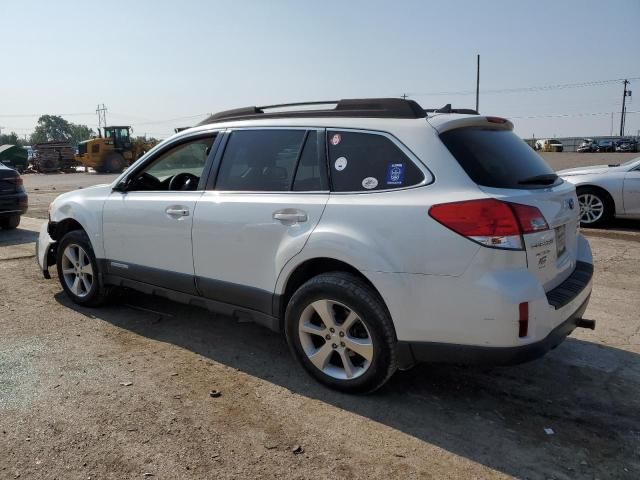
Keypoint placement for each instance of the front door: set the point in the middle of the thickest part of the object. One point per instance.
(270, 192)
(147, 225)
(631, 192)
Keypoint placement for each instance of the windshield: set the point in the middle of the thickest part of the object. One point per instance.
(631, 162)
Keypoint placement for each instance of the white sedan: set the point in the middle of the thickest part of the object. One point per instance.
(606, 191)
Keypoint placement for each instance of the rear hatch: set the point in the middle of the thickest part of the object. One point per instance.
(507, 169)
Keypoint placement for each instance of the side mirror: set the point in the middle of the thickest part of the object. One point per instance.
(120, 187)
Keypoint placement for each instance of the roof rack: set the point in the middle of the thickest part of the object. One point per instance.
(362, 107)
(447, 109)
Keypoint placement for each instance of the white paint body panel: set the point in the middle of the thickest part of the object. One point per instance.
(237, 240)
(137, 229)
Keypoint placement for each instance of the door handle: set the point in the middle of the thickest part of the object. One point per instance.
(177, 211)
(290, 215)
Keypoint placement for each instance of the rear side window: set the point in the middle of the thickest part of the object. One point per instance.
(497, 158)
(368, 161)
(260, 160)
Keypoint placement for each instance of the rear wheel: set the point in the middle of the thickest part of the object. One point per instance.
(596, 208)
(114, 163)
(339, 330)
(78, 270)
(10, 223)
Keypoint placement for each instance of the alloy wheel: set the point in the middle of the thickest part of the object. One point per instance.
(335, 339)
(591, 208)
(77, 270)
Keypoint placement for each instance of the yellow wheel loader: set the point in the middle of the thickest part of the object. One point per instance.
(110, 153)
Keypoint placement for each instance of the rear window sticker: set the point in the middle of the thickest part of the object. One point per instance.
(341, 164)
(369, 183)
(395, 174)
(336, 138)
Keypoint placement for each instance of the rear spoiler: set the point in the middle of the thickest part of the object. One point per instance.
(443, 123)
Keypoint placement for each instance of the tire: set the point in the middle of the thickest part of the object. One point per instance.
(114, 163)
(596, 207)
(10, 223)
(345, 298)
(87, 293)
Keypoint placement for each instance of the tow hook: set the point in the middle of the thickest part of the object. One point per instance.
(584, 323)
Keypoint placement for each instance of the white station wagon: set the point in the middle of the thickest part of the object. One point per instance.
(372, 233)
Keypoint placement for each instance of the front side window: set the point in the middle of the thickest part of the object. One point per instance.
(260, 160)
(361, 162)
(178, 169)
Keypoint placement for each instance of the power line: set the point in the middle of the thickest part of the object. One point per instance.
(561, 86)
(562, 115)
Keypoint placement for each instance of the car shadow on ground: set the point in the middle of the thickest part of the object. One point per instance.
(587, 393)
(17, 237)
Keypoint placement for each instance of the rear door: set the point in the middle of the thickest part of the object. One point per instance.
(270, 191)
(506, 168)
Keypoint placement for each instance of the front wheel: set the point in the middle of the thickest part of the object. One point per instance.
(595, 207)
(78, 270)
(339, 330)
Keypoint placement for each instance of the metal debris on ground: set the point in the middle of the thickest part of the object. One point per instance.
(215, 393)
(297, 450)
(126, 384)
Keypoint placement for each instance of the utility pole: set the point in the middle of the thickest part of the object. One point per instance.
(404, 96)
(102, 115)
(626, 93)
(1, 127)
(478, 85)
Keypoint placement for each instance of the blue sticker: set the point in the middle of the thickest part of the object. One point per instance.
(395, 174)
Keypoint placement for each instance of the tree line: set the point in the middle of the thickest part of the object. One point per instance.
(53, 128)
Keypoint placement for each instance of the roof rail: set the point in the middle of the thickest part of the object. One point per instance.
(447, 109)
(361, 107)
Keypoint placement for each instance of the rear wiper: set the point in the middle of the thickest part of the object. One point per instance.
(613, 165)
(545, 179)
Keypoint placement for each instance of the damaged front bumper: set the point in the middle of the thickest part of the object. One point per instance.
(45, 250)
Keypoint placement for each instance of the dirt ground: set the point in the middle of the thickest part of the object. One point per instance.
(123, 391)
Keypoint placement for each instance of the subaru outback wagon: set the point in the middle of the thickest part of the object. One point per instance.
(372, 233)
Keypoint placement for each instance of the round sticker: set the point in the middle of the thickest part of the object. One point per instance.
(341, 164)
(370, 182)
(336, 138)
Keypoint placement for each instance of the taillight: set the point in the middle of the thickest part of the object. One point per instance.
(490, 222)
(16, 182)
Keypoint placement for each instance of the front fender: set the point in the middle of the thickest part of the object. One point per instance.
(85, 207)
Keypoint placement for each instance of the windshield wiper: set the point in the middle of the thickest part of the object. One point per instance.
(544, 179)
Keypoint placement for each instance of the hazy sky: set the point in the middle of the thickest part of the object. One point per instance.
(153, 62)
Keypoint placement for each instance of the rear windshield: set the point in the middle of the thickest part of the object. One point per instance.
(498, 158)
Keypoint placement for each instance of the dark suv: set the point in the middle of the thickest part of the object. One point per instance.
(13, 198)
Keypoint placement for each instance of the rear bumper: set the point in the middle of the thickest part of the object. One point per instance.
(417, 352)
(13, 204)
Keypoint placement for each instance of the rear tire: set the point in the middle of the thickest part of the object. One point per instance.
(78, 270)
(596, 207)
(339, 330)
(114, 163)
(10, 223)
